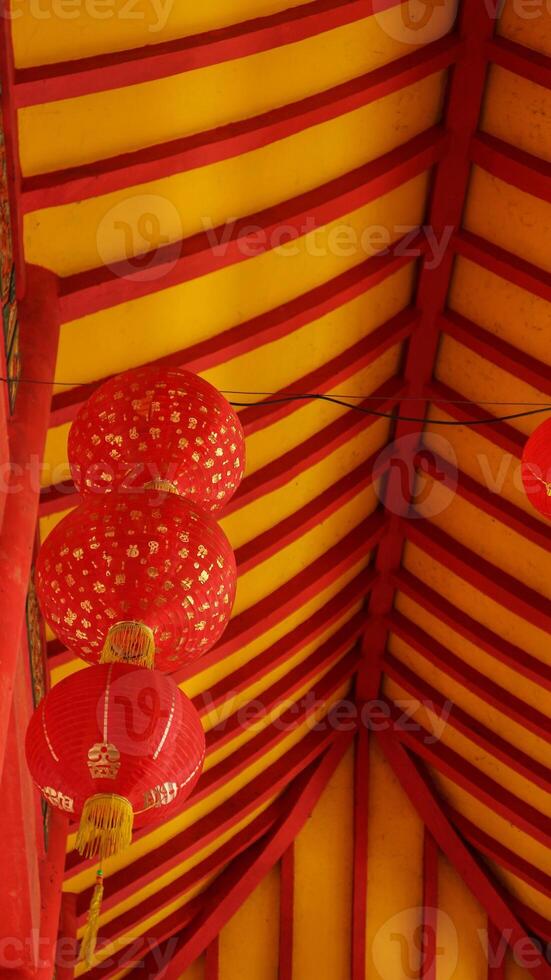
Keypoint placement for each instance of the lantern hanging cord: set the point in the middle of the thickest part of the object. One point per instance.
(318, 396)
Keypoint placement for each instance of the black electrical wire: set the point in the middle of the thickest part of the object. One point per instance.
(284, 399)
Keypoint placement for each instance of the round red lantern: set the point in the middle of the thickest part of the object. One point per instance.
(113, 742)
(536, 469)
(158, 426)
(127, 576)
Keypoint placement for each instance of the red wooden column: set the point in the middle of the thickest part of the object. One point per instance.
(67, 944)
(51, 882)
(359, 896)
(9, 114)
(27, 436)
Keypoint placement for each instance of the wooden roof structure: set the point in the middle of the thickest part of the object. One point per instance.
(347, 197)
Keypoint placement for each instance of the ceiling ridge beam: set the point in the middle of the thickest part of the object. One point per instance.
(526, 172)
(134, 66)
(432, 699)
(472, 630)
(521, 60)
(425, 798)
(178, 262)
(480, 573)
(507, 265)
(161, 160)
(500, 352)
(464, 100)
(470, 778)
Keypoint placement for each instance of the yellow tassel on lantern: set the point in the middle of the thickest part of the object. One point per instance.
(129, 643)
(90, 937)
(105, 826)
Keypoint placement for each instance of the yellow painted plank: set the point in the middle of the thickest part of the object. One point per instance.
(527, 23)
(203, 307)
(126, 223)
(510, 218)
(502, 621)
(460, 931)
(80, 130)
(518, 111)
(323, 882)
(478, 379)
(248, 948)
(514, 314)
(395, 875)
(56, 31)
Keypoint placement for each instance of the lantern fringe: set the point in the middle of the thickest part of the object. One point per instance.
(105, 826)
(165, 486)
(90, 937)
(129, 643)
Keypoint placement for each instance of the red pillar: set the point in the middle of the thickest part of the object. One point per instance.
(27, 434)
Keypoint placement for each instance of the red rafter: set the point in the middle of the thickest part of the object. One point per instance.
(286, 913)
(99, 73)
(359, 898)
(425, 799)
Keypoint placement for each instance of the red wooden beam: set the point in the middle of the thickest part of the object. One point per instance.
(451, 179)
(523, 170)
(471, 779)
(492, 849)
(511, 359)
(474, 632)
(489, 501)
(100, 73)
(11, 145)
(480, 573)
(497, 952)
(424, 797)
(233, 887)
(135, 918)
(429, 952)
(212, 960)
(516, 58)
(286, 914)
(478, 733)
(502, 434)
(201, 149)
(361, 814)
(179, 262)
(504, 264)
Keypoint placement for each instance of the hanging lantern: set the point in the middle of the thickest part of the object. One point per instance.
(143, 577)
(157, 426)
(108, 744)
(536, 469)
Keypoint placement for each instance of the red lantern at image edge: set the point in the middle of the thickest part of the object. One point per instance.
(143, 577)
(115, 745)
(536, 469)
(158, 426)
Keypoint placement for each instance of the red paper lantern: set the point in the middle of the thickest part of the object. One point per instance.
(110, 743)
(536, 469)
(128, 573)
(161, 426)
